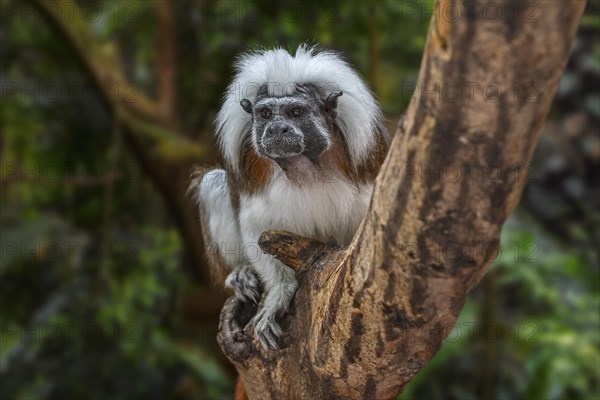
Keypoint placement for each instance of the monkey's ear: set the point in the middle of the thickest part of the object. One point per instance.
(330, 103)
(246, 105)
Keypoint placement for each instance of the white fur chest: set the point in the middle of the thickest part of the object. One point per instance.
(320, 209)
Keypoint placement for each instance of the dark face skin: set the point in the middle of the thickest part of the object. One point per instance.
(293, 128)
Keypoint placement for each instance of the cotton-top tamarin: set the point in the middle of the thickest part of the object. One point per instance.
(303, 139)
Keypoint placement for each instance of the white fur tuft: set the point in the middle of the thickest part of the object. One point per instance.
(358, 114)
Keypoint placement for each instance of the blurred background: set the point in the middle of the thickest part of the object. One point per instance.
(106, 105)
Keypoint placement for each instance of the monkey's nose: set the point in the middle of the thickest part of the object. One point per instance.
(282, 140)
(278, 129)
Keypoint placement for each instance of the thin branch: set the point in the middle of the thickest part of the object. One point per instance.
(167, 67)
(297, 252)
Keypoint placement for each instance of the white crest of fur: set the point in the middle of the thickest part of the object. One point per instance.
(358, 114)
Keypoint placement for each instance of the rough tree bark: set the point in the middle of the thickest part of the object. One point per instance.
(368, 317)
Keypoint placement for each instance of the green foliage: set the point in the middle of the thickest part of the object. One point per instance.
(103, 314)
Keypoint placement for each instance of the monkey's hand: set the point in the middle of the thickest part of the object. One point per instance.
(266, 329)
(276, 302)
(245, 284)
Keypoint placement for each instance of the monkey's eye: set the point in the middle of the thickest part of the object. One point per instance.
(265, 113)
(296, 111)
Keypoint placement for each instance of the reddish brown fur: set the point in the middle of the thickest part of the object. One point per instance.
(336, 155)
(368, 169)
(256, 171)
(240, 391)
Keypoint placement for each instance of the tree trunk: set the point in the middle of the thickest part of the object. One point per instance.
(368, 317)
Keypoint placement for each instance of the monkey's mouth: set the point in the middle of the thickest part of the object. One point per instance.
(286, 148)
(292, 157)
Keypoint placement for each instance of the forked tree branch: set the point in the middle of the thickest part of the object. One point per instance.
(367, 318)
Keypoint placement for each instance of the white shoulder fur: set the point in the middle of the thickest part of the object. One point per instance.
(221, 219)
(320, 210)
(358, 114)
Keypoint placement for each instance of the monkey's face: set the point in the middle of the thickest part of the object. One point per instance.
(292, 128)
